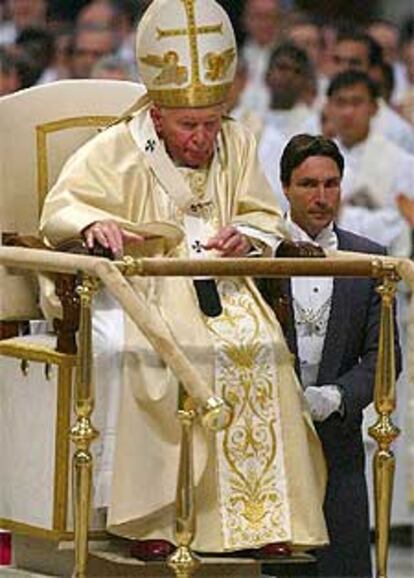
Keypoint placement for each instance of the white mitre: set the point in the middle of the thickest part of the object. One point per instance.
(186, 53)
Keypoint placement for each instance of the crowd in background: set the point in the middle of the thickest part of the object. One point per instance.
(288, 61)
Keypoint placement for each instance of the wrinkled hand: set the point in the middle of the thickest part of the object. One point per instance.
(230, 243)
(295, 249)
(406, 208)
(323, 401)
(110, 235)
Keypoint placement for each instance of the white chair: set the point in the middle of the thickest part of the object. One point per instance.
(40, 128)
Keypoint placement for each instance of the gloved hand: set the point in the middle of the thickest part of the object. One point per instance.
(323, 401)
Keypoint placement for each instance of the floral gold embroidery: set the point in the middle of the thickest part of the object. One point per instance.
(253, 498)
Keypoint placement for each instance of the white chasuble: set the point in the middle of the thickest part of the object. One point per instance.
(255, 482)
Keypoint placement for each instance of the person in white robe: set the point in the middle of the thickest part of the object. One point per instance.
(270, 149)
(377, 170)
(357, 51)
(287, 77)
(261, 20)
(176, 166)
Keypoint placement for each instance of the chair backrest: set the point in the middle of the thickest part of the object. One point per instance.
(40, 128)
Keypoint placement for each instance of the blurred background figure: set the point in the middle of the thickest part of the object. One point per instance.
(287, 79)
(387, 35)
(370, 188)
(38, 46)
(405, 99)
(10, 78)
(98, 12)
(305, 32)
(112, 68)
(90, 43)
(22, 13)
(288, 76)
(261, 21)
(355, 50)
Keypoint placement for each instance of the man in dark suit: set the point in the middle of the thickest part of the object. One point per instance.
(333, 329)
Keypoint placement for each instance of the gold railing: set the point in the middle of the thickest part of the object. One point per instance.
(198, 399)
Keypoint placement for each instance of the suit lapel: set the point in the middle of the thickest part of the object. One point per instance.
(337, 330)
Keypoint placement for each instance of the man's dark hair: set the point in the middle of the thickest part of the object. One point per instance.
(302, 146)
(39, 43)
(374, 49)
(22, 63)
(352, 78)
(294, 53)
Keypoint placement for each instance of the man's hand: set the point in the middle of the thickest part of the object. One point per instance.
(230, 243)
(323, 401)
(297, 249)
(110, 235)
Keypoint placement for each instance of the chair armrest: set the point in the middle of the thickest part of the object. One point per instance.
(65, 287)
(26, 241)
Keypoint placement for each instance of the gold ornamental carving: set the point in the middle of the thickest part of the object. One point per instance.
(218, 64)
(171, 70)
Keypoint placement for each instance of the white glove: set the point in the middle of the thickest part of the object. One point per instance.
(323, 401)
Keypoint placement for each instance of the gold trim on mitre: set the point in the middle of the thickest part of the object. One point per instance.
(186, 53)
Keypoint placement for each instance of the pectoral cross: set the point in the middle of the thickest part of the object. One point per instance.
(150, 145)
(192, 31)
(197, 247)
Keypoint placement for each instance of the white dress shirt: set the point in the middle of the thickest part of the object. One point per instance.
(312, 297)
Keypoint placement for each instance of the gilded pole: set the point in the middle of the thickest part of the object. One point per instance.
(183, 561)
(83, 433)
(384, 431)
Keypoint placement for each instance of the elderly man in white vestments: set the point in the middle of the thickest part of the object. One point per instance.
(177, 165)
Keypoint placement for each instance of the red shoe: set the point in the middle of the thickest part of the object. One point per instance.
(275, 550)
(5, 548)
(151, 550)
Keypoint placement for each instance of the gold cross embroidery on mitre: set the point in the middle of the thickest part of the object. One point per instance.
(192, 31)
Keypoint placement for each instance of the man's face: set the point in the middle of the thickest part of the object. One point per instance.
(27, 12)
(286, 81)
(351, 109)
(97, 13)
(260, 20)
(314, 194)
(90, 46)
(189, 133)
(350, 54)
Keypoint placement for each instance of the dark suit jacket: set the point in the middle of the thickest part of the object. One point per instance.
(348, 360)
